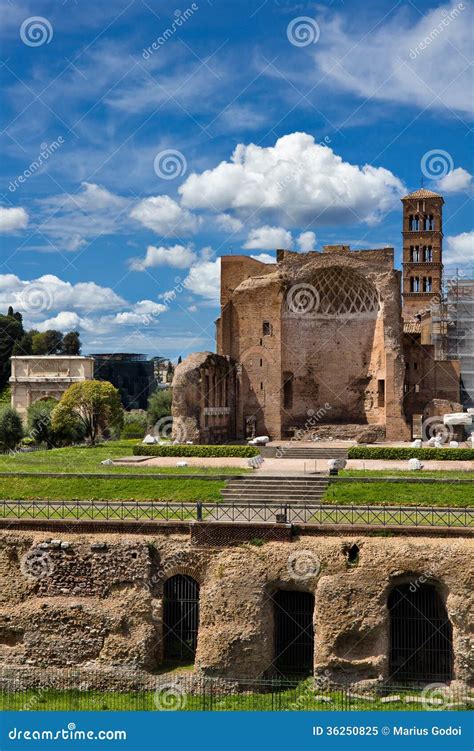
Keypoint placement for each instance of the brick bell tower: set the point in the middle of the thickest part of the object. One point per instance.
(422, 250)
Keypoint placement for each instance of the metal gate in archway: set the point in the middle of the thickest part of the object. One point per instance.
(180, 618)
(421, 649)
(294, 633)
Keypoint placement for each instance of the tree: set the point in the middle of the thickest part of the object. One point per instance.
(95, 404)
(24, 346)
(71, 344)
(11, 428)
(159, 405)
(47, 343)
(39, 421)
(11, 330)
(180, 360)
(169, 372)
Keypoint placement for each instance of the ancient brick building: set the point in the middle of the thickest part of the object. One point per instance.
(325, 334)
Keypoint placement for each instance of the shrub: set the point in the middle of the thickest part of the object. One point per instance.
(134, 425)
(11, 428)
(39, 421)
(181, 450)
(159, 405)
(402, 452)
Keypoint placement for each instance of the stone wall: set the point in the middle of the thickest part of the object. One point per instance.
(204, 399)
(95, 602)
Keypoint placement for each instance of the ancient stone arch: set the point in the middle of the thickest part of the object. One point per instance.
(420, 632)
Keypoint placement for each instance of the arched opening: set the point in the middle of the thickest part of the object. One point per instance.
(294, 633)
(180, 619)
(421, 649)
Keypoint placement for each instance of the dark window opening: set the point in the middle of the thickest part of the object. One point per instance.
(180, 618)
(428, 222)
(352, 554)
(261, 385)
(428, 254)
(381, 393)
(414, 284)
(414, 223)
(294, 633)
(266, 328)
(427, 284)
(415, 366)
(288, 391)
(261, 362)
(421, 649)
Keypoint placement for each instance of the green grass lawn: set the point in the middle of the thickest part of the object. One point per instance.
(108, 489)
(296, 699)
(88, 459)
(399, 493)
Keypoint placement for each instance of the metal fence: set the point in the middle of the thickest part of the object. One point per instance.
(69, 690)
(252, 513)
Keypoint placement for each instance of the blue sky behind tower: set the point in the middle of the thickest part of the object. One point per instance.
(142, 141)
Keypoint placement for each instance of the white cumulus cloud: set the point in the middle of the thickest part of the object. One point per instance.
(177, 256)
(12, 219)
(50, 293)
(228, 223)
(67, 320)
(459, 249)
(306, 241)
(164, 216)
(268, 238)
(455, 181)
(296, 182)
(204, 279)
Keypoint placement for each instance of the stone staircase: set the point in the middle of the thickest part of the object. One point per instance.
(275, 489)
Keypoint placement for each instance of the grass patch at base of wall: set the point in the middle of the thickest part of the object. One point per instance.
(294, 699)
(88, 459)
(72, 488)
(399, 493)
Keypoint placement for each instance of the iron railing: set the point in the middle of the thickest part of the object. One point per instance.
(77, 689)
(251, 513)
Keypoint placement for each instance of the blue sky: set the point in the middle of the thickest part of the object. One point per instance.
(142, 141)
